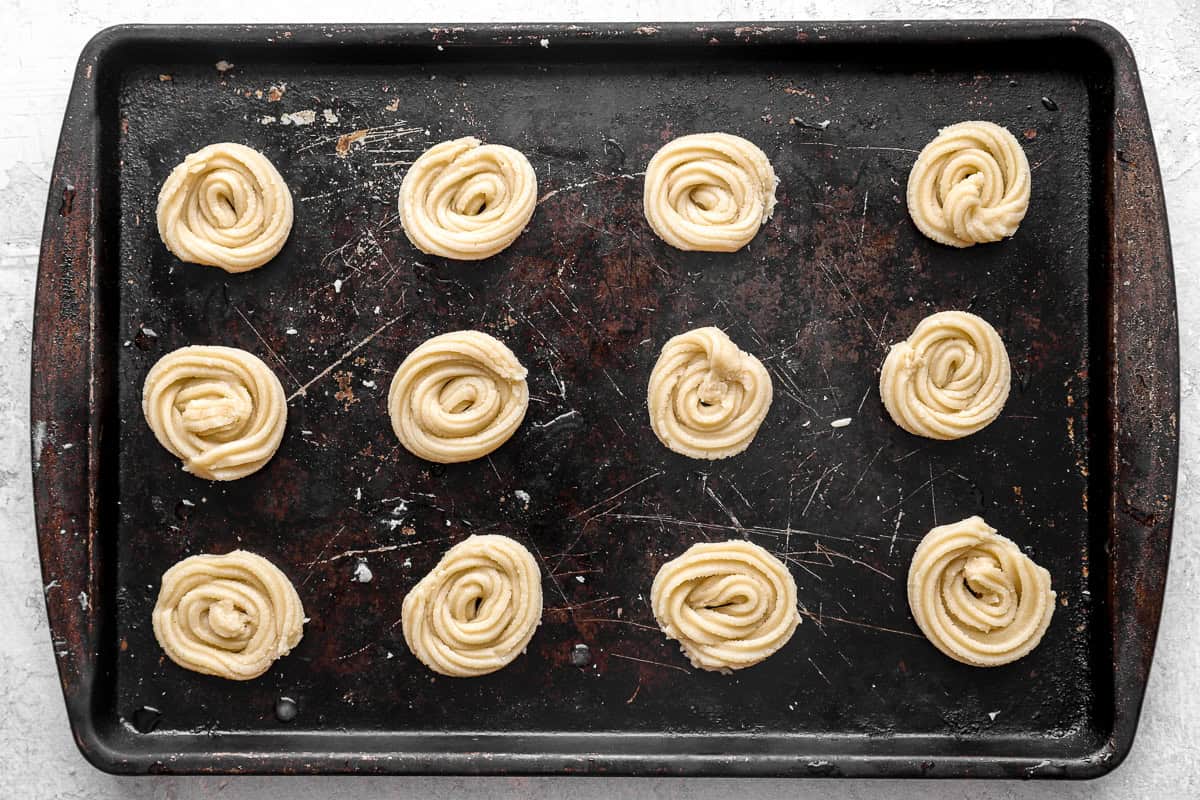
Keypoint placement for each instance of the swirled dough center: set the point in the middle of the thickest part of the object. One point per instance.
(218, 409)
(458, 397)
(229, 616)
(225, 206)
(466, 200)
(969, 185)
(706, 397)
(976, 596)
(478, 608)
(728, 604)
(709, 191)
(949, 379)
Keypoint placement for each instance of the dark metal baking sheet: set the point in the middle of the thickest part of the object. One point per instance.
(1079, 470)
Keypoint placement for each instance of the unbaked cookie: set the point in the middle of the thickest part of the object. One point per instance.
(225, 206)
(728, 604)
(706, 397)
(976, 596)
(231, 616)
(478, 608)
(969, 185)
(467, 200)
(458, 397)
(218, 409)
(709, 191)
(949, 379)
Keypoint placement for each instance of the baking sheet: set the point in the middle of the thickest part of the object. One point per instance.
(585, 298)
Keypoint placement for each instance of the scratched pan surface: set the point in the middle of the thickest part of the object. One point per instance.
(586, 297)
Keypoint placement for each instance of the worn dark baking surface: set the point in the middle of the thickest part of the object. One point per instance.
(586, 297)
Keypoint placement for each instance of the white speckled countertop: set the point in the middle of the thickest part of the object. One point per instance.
(41, 40)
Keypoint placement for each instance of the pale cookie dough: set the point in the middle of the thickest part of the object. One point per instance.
(709, 191)
(225, 206)
(706, 397)
(229, 616)
(458, 397)
(218, 409)
(478, 608)
(949, 379)
(466, 200)
(976, 596)
(728, 604)
(969, 185)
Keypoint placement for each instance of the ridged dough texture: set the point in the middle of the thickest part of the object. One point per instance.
(728, 604)
(709, 191)
(706, 397)
(478, 608)
(220, 410)
(949, 379)
(976, 596)
(458, 397)
(229, 616)
(466, 200)
(225, 206)
(969, 185)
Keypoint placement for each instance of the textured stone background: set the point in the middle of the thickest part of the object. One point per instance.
(41, 41)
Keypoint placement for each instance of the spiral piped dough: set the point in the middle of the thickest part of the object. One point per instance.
(458, 397)
(976, 596)
(478, 608)
(225, 206)
(949, 379)
(709, 191)
(728, 604)
(220, 410)
(466, 200)
(969, 185)
(229, 616)
(706, 397)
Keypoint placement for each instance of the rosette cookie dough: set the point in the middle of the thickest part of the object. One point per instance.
(225, 206)
(949, 379)
(467, 200)
(229, 616)
(706, 397)
(220, 410)
(976, 596)
(969, 185)
(709, 191)
(478, 608)
(728, 604)
(457, 397)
